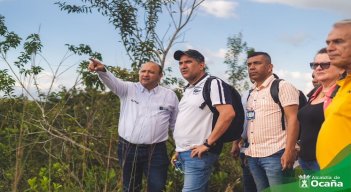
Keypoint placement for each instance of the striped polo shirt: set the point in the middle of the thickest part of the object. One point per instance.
(264, 132)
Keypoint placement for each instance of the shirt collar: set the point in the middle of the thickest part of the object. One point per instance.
(328, 94)
(265, 83)
(143, 89)
(314, 95)
(198, 81)
(342, 81)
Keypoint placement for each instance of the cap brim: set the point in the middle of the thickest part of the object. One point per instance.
(178, 54)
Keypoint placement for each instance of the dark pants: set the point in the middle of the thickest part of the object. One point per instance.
(309, 167)
(248, 181)
(136, 160)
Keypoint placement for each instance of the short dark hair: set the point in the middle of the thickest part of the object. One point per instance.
(257, 53)
(323, 50)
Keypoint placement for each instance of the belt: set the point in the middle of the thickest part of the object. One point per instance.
(120, 139)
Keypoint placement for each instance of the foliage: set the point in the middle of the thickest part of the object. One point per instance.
(237, 49)
(139, 36)
(62, 127)
(76, 115)
(46, 180)
(139, 41)
(227, 172)
(6, 83)
(92, 81)
(66, 140)
(71, 168)
(31, 47)
(9, 40)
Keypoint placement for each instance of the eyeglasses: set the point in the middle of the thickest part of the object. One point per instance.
(324, 65)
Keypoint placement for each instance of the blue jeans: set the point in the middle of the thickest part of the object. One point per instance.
(267, 171)
(248, 181)
(308, 166)
(136, 160)
(197, 171)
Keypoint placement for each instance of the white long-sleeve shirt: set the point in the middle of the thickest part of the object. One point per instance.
(145, 116)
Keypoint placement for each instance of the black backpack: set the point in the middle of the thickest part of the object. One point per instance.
(235, 129)
(275, 96)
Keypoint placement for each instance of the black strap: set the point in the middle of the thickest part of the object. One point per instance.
(206, 94)
(332, 95)
(335, 91)
(248, 96)
(309, 94)
(275, 96)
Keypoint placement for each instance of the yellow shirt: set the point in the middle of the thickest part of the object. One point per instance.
(335, 133)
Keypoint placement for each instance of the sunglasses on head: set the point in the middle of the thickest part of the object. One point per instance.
(324, 65)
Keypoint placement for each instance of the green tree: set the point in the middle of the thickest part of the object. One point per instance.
(66, 137)
(236, 53)
(139, 37)
(65, 140)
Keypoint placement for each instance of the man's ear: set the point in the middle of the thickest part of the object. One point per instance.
(270, 67)
(203, 66)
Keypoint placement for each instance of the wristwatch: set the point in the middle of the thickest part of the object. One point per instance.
(207, 145)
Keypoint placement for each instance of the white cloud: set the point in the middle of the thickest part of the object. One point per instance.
(295, 39)
(44, 82)
(219, 54)
(339, 6)
(220, 8)
(211, 57)
(301, 80)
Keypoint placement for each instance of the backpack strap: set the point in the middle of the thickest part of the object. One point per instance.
(310, 94)
(248, 95)
(275, 96)
(206, 90)
(332, 95)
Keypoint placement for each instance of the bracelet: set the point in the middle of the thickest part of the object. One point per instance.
(206, 144)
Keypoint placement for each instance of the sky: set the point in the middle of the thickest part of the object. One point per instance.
(291, 31)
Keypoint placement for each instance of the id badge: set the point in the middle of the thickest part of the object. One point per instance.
(250, 115)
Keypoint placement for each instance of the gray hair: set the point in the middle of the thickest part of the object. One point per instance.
(342, 22)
